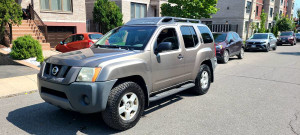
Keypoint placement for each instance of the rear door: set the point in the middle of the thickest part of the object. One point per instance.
(230, 43)
(77, 42)
(239, 43)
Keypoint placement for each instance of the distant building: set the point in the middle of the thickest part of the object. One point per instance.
(237, 12)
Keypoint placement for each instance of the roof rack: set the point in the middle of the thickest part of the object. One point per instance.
(160, 20)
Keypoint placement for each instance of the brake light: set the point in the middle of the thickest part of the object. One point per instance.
(90, 42)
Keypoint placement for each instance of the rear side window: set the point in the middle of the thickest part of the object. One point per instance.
(189, 36)
(206, 34)
(95, 36)
(236, 36)
(229, 37)
(79, 37)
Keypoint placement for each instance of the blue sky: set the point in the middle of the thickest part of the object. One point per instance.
(297, 6)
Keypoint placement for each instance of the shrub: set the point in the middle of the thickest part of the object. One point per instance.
(26, 47)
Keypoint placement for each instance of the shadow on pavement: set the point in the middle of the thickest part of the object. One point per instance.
(290, 53)
(44, 118)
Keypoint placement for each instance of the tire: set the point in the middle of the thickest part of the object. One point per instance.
(118, 100)
(275, 48)
(225, 57)
(267, 48)
(205, 76)
(241, 54)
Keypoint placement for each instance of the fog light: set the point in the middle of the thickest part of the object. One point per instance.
(86, 100)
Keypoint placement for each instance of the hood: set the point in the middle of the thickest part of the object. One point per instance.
(90, 57)
(257, 40)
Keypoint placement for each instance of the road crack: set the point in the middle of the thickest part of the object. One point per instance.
(291, 123)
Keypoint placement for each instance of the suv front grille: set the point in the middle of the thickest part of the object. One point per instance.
(54, 70)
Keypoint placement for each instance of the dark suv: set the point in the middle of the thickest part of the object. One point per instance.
(287, 37)
(228, 44)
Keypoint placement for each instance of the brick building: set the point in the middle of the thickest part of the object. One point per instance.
(237, 12)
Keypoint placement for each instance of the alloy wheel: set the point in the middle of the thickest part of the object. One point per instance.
(128, 106)
(204, 79)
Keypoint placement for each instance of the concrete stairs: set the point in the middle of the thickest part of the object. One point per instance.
(28, 27)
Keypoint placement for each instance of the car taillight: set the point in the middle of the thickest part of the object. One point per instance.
(90, 42)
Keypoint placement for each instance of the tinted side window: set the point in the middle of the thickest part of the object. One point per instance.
(236, 36)
(168, 35)
(206, 34)
(70, 39)
(229, 37)
(79, 37)
(188, 36)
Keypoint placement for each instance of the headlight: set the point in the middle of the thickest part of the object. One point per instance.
(88, 74)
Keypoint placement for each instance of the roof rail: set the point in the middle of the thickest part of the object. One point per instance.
(160, 20)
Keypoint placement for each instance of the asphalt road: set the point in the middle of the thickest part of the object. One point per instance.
(257, 95)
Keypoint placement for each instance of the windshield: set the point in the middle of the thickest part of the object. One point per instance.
(131, 37)
(95, 36)
(259, 36)
(286, 34)
(219, 37)
(298, 34)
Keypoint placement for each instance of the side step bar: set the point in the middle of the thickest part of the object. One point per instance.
(171, 92)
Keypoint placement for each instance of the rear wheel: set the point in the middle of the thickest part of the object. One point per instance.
(125, 106)
(241, 54)
(203, 80)
(225, 57)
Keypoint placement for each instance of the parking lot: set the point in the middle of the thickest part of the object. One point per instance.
(257, 95)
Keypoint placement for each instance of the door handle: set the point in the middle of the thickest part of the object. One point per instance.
(180, 56)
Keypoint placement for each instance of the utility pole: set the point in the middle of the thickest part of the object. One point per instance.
(250, 20)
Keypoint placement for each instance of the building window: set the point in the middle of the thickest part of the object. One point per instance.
(270, 25)
(138, 10)
(248, 8)
(56, 5)
(271, 12)
(280, 13)
(256, 10)
(281, 2)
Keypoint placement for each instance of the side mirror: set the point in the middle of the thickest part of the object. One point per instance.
(61, 42)
(163, 46)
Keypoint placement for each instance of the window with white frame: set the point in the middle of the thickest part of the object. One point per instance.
(138, 10)
(56, 5)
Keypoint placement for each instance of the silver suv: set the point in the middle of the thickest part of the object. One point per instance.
(143, 61)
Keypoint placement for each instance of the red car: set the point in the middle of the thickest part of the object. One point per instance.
(78, 41)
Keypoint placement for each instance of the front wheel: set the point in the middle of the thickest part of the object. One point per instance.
(241, 54)
(203, 80)
(125, 106)
(275, 48)
(267, 48)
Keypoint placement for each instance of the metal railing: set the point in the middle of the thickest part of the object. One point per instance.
(38, 22)
(223, 27)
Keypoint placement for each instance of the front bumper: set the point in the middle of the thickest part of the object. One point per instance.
(83, 97)
(256, 47)
(285, 41)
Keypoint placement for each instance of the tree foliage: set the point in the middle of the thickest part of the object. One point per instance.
(195, 9)
(298, 13)
(26, 47)
(107, 14)
(263, 18)
(285, 24)
(274, 29)
(10, 14)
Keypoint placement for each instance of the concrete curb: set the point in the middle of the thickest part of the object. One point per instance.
(17, 94)
(20, 61)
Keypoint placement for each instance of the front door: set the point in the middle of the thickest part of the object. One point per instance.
(167, 66)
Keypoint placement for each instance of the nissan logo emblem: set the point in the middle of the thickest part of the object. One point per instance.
(55, 70)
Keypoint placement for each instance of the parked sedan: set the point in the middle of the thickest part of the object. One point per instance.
(78, 41)
(228, 44)
(287, 37)
(261, 41)
(298, 37)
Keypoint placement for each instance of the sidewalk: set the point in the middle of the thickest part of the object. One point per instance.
(18, 77)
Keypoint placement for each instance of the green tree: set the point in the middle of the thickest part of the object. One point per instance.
(298, 13)
(195, 9)
(284, 24)
(10, 14)
(263, 18)
(107, 14)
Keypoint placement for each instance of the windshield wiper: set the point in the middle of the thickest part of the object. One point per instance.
(126, 47)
